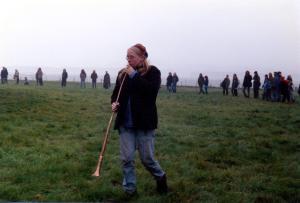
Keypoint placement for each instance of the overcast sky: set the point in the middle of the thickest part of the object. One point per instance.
(187, 36)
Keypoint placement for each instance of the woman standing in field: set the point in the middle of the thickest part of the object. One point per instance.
(137, 119)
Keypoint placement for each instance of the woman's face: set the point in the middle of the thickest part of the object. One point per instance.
(133, 59)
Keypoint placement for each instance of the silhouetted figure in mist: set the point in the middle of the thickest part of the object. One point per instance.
(174, 82)
(106, 80)
(205, 84)
(94, 77)
(225, 85)
(39, 76)
(267, 89)
(26, 82)
(247, 84)
(169, 82)
(4, 75)
(64, 77)
(82, 78)
(201, 83)
(256, 85)
(235, 85)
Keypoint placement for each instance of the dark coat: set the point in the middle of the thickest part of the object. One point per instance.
(247, 81)
(169, 80)
(143, 91)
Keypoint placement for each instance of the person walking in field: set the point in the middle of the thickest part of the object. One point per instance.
(174, 82)
(201, 83)
(235, 85)
(247, 84)
(169, 82)
(64, 77)
(106, 80)
(225, 85)
(137, 118)
(39, 76)
(82, 78)
(94, 77)
(17, 76)
(256, 85)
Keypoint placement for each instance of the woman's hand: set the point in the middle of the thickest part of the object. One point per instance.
(129, 70)
(115, 106)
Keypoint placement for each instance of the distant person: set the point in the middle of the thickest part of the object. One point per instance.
(16, 76)
(272, 83)
(169, 82)
(256, 85)
(201, 83)
(26, 81)
(277, 88)
(137, 118)
(64, 77)
(39, 76)
(206, 84)
(284, 86)
(225, 85)
(82, 78)
(266, 89)
(247, 84)
(299, 90)
(174, 82)
(94, 77)
(291, 88)
(36, 79)
(4, 75)
(106, 80)
(235, 85)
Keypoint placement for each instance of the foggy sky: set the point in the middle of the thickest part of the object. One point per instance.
(214, 37)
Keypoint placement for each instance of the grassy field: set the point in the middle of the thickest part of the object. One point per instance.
(214, 148)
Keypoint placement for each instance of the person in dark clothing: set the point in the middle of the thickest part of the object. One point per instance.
(201, 83)
(256, 84)
(247, 84)
(225, 85)
(39, 77)
(4, 75)
(235, 85)
(299, 90)
(137, 119)
(82, 78)
(106, 80)
(169, 82)
(174, 82)
(267, 89)
(64, 78)
(94, 77)
(206, 84)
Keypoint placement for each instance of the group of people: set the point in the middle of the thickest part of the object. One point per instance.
(94, 77)
(39, 78)
(172, 81)
(203, 84)
(275, 86)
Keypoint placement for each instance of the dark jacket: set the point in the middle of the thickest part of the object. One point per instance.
(169, 80)
(247, 81)
(142, 91)
(64, 75)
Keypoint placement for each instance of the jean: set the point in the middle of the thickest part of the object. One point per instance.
(82, 83)
(143, 141)
(173, 86)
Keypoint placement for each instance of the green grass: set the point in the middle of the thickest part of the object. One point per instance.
(214, 148)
